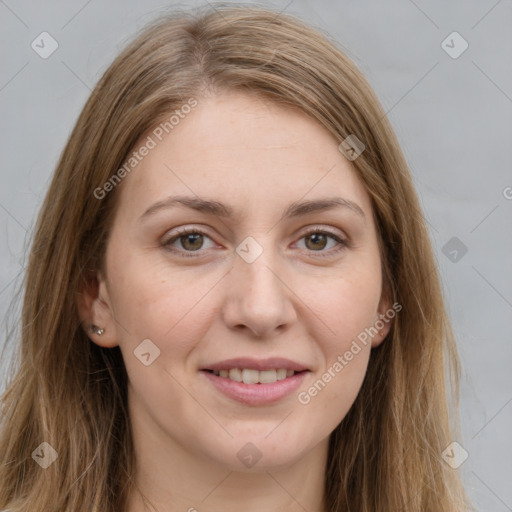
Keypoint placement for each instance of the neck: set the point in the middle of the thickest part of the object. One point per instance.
(170, 477)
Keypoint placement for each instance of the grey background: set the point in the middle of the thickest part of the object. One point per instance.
(452, 117)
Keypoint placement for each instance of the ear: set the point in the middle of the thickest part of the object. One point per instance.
(94, 309)
(384, 319)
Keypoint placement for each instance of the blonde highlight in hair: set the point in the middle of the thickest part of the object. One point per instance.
(385, 455)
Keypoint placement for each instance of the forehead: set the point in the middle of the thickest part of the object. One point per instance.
(243, 151)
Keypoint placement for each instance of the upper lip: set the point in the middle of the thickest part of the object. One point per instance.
(272, 363)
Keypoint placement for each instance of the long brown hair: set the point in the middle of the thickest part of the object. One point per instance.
(385, 455)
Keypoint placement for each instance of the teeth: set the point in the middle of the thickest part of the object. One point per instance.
(282, 373)
(248, 376)
(234, 374)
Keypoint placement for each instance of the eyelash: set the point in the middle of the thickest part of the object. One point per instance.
(191, 254)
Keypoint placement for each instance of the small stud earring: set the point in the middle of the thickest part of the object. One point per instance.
(96, 330)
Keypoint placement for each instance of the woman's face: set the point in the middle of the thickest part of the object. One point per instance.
(250, 281)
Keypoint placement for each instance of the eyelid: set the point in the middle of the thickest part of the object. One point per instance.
(324, 230)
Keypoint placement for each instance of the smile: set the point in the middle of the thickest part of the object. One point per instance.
(250, 376)
(253, 387)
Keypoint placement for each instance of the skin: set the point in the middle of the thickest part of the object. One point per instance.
(257, 158)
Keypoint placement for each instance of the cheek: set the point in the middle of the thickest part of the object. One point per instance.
(152, 297)
(345, 309)
(327, 399)
(345, 305)
(173, 309)
(348, 309)
(174, 313)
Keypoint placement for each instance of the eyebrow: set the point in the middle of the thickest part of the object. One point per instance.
(211, 207)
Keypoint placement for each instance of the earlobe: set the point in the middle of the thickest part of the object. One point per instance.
(95, 313)
(98, 331)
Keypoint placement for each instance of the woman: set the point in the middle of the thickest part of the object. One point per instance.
(231, 295)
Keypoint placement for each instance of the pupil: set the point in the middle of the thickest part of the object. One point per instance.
(316, 237)
(194, 237)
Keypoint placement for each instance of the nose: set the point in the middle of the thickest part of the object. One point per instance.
(258, 299)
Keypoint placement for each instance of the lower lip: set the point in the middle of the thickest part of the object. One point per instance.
(256, 394)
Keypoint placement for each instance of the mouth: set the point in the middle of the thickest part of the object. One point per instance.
(253, 376)
(255, 382)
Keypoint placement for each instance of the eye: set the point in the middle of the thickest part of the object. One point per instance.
(189, 240)
(316, 240)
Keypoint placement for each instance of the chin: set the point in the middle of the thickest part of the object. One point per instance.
(260, 455)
